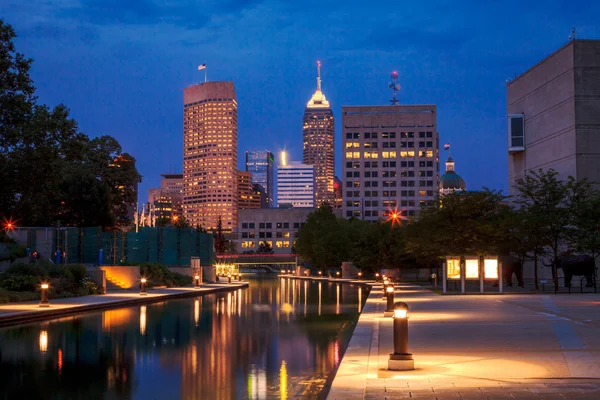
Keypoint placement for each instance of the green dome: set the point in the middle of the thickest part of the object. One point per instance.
(452, 181)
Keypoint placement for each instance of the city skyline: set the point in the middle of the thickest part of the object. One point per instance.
(455, 55)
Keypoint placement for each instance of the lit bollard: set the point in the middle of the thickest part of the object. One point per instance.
(401, 359)
(305, 273)
(337, 274)
(389, 294)
(44, 302)
(377, 277)
(229, 278)
(359, 275)
(386, 283)
(197, 281)
(320, 273)
(239, 276)
(143, 287)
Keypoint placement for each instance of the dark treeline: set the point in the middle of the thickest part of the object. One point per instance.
(49, 170)
(546, 217)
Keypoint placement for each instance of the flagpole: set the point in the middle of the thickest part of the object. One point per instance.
(204, 74)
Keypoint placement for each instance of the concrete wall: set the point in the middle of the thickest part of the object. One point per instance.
(560, 99)
(97, 276)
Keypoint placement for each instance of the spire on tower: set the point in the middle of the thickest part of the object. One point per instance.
(319, 76)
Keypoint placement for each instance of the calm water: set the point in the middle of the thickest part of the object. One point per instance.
(278, 339)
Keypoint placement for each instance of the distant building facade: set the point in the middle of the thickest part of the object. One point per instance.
(249, 197)
(167, 201)
(319, 144)
(276, 227)
(390, 160)
(210, 146)
(554, 115)
(262, 165)
(296, 185)
(337, 191)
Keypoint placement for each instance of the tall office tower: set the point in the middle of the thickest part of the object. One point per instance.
(172, 183)
(295, 184)
(261, 165)
(248, 195)
(390, 160)
(210, 141)
(319, 148)
(554, 115)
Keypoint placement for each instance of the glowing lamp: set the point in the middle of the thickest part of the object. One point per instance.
(390, 289)
(400, 310)
(45, 286)
(143, 280)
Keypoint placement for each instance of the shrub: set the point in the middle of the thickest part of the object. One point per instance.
(78, 271)
(16, 282)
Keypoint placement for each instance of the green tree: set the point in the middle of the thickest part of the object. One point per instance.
(264, 248)
(554, 205)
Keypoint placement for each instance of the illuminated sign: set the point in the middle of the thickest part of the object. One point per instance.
(453, 267)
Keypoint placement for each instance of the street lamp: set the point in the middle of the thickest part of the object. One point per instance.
(44, 302)
(143, 287)
(196, 281)
(401, 359)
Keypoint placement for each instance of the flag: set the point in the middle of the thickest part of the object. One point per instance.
(201, 67)
(447, 146)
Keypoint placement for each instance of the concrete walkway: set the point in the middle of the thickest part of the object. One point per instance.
(19, 313)
(477, 347)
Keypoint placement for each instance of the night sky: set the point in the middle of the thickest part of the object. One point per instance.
(121, 66)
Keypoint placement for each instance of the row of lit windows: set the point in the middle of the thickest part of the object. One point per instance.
(387, 145)
(388, 135)
(267, 235)
(278, 244)
(388, 154)
(357, 184)
(388, 193)
(389, 164)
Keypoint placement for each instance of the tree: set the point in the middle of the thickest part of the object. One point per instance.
(553, 205)
(86, 200)
(180, 222)
(219, 238)
(264, 248)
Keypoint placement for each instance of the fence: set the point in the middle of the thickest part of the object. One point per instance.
(172, 246)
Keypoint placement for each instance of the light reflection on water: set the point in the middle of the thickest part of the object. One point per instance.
(279, 338)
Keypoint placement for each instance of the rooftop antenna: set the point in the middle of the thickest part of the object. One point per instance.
(394, 86)
(572, 36)
(319, 76)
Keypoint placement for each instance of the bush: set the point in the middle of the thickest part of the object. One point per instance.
(19, 283)
(78, 271)
(159, 275)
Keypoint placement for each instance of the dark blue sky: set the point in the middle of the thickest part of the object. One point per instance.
(121, 66)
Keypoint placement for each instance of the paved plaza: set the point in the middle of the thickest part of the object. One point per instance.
(15, 313)
(507, 346)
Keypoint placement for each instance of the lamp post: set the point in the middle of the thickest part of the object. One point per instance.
(401, 359)
(197, 281)
(143, 287)
(44, 301)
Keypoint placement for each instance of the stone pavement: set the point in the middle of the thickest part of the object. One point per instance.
(18, 313)
(477, 347)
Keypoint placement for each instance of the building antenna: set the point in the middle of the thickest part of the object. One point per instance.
(394, 86)
(573, 35)
(319, 76)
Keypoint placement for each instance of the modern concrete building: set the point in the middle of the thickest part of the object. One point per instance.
(451, 182)
(210, 145)
(277, 227)
(318, 143)
(249, 197)
(172, 183)
(262, 165)
(390, 160)
(295, 184)
(554, 115)
(168, 199)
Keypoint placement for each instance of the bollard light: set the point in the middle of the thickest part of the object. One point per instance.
(229, 278)
(143, 287)
(389, 292)
(401, 359)
(359, 275)
(337, 273)
(196, 281)
(44, 302)
(377, 277)
(305, 273)
(320, 273)
(239, 276)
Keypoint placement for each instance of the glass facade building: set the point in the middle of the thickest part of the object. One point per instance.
(261, 165)
(296, 185)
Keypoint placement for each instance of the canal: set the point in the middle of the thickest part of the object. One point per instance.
(277, 339)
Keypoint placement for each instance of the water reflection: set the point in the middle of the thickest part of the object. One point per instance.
(277, 339)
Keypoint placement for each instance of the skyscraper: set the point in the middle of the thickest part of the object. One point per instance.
(248, 195)
(295, 184)
(390, 160)
(261, 165)
(319, 146)
(210, 141)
